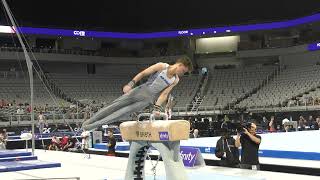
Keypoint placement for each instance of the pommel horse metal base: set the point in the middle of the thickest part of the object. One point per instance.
(163, 135)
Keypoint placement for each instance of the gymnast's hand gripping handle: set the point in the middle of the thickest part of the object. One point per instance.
(143, 115)
(153, 116)
(156, 114)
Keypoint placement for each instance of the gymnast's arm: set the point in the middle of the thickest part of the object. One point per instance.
(165, 93)
(150, 70)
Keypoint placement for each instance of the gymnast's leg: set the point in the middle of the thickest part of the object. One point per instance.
(117, 115)
(125, 100)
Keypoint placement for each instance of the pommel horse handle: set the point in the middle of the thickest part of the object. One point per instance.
(152, 116)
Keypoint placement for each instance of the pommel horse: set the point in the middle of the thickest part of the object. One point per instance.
(163, 135)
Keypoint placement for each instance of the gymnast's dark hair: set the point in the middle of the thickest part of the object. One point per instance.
(186, 61)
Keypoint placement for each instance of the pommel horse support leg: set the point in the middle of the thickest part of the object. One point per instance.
(163, 135)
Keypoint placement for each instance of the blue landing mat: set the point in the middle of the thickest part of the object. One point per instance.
(18, 158)
(26, 165)
(10, 153)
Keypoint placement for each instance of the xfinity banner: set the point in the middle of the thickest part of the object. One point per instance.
(314, 46)
(191, 157)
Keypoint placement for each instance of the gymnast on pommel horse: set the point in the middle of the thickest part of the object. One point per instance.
(162, 78)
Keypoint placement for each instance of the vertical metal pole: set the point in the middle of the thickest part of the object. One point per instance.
(29, 65)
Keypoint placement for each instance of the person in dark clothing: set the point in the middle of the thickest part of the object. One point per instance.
(227, 151)
(264, 124)
(70, 144)
(250, 142)
(111, 144)
(313, 123)
(195, 134)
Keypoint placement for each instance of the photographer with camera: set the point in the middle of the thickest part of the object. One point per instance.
(226, 150)
(249, 141)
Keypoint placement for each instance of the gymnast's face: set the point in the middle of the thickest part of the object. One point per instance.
(181, 69)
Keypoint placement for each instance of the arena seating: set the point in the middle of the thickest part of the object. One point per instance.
(18, 89)
(291, 82)
(227, 85)
(186, 90)
(99, 88)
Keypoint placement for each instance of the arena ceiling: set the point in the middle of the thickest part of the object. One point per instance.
(153, 15)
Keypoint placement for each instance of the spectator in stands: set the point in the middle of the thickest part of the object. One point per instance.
(5, 134)
(85, 135)
(10, 104)
(313, 124)
(250, 142)
(28, 109)
(272, 125)
(20, 110)
(64, 140)
(264, 124)
(226, 150)
(19, 113)
(3, 139)
(2, 103)
(302, 123)
(191, 124)
(163, 77)
(318, 121)
(77, 128)
(111, 144)
(2, 142)
(310, 119)
(41, 122)
(55, 143)
(195, 134)
(287, 126)
(35, 109)
(46, 108)
(70, 144)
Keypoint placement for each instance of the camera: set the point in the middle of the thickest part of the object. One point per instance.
(241, 126)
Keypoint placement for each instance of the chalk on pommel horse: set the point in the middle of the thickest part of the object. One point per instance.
(163, 135)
